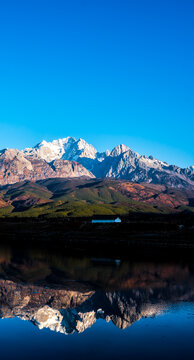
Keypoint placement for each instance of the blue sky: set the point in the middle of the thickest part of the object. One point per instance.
(107, 71)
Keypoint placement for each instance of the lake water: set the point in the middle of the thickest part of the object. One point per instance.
(56, 307)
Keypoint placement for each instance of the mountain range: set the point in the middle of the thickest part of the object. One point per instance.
(69, 157)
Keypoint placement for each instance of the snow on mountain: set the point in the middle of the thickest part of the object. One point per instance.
(191, 168)
(50, 151)
(15, 167)
(119, 149)
(101, 156)
(68, 149)
(134, 167)
(121, 162)
(79, 149)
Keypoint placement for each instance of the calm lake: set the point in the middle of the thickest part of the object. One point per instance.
(54, 306)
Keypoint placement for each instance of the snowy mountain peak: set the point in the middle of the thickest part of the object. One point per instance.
(67, 148)
(50, 151)
(191, 168)
(88, 150)
(119, 149)
(120, 163)
(42, 143)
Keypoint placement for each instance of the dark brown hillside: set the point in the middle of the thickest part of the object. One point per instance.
(82, 197)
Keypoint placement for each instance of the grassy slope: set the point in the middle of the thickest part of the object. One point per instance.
(23, 189)
(76, 197)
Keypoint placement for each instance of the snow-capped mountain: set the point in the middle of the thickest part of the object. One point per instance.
(68, 149)
(15, 166)
(62, 158)
(121, 162)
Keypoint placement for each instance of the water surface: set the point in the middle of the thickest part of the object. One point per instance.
(56, 306)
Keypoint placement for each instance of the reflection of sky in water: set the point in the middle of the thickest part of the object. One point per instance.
(167, 336)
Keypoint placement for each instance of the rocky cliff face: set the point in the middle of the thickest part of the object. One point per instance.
(15, 167)
(120, 163)
(68, 149)
(51, 159)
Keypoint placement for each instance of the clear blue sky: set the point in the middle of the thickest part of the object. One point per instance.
(118, 71)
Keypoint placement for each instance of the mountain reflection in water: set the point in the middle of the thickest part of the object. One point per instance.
(67, 294)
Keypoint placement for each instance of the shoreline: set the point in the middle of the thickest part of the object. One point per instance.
(104, 239)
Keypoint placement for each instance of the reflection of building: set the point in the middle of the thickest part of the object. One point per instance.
(106, 220)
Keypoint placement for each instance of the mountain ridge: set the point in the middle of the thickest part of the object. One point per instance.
(15, 167)
(120, 163)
